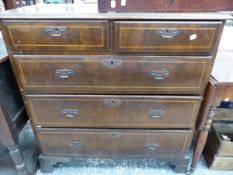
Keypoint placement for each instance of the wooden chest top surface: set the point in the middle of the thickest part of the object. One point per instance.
(90, 11)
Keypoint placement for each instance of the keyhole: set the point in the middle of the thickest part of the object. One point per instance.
(112, 62)
(112, 102)
(172, 1)
(114, 134)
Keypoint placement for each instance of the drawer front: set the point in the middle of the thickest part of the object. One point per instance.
(101, 74)
(60, 36)
(113, 142)
(169, 37)
(113, 111)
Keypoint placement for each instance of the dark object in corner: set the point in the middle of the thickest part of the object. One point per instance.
(226, 104)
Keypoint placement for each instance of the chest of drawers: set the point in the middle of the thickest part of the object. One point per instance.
(119, 85)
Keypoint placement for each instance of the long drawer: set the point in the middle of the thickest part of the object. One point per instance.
(57, 35)
(166, 37)
(113, 142)
(107, 111)
(113, 74)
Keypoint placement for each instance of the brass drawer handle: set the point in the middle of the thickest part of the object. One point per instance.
(64, 73)
(70, 113)
(168, 33)
(75, 144)
(112, 102)
(160, 75)
(156, 113)
(56, 31)
(112, 63)
(152, 146)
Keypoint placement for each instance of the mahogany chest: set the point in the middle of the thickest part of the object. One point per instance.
(111, 84)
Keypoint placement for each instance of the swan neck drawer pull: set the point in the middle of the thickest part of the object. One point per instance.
(160, 75)
(156, 113)
(151, 146)
(64, 73)
(75, 144)
(70, 113)
(168, 33)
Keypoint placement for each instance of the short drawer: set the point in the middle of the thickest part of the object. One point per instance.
(166, 37)
(108, 111)
(114, 74)
(113, 142)
(60, 36)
